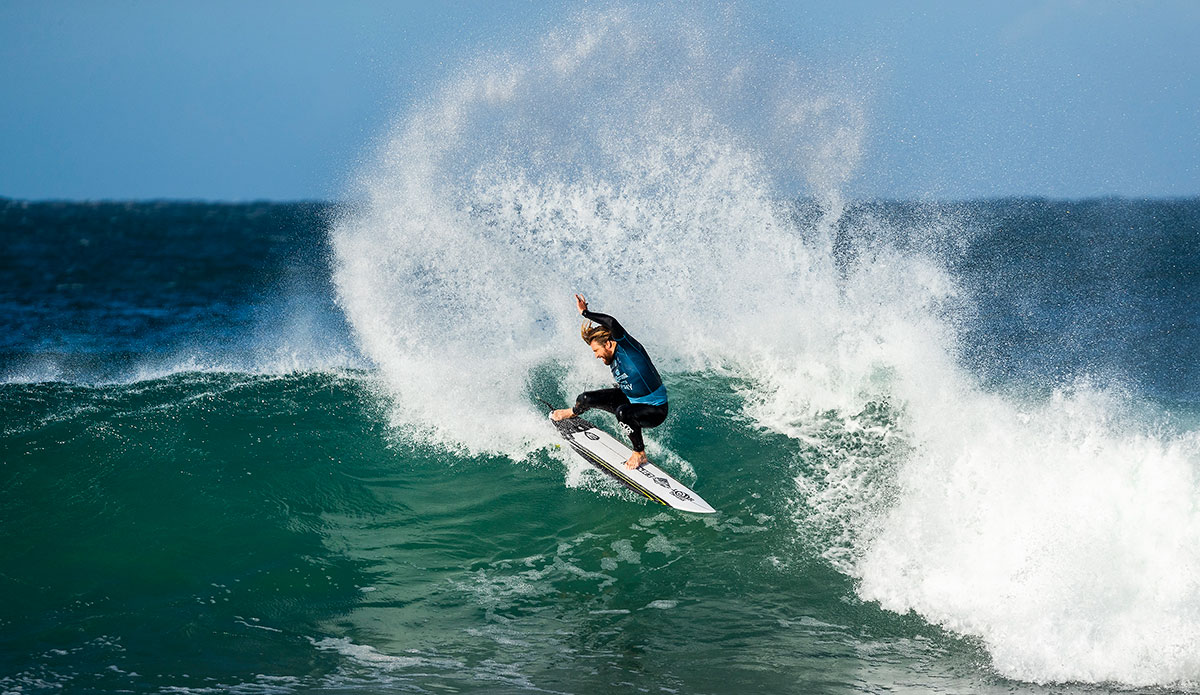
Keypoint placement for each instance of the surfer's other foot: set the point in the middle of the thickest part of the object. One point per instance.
(636, 460)
(562, 414)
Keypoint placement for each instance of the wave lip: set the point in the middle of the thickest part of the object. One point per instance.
(1064, 536)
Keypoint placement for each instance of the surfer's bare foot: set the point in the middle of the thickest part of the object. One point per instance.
(636, 460)
(562, 414)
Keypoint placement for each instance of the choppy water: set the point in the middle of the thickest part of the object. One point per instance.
(297, 448)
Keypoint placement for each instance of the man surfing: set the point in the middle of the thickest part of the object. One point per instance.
(639, 399)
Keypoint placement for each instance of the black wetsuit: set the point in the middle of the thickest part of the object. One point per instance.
(640, 398)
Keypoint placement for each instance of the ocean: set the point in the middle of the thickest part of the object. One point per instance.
(208, 487)
(299, 447)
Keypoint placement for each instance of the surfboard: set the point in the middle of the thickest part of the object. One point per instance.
(603, 451)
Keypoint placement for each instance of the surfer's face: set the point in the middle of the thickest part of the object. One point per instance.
(604, 351)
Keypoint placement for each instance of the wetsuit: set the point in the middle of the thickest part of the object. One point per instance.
(640, 399)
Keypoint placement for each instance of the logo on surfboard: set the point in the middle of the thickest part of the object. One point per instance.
(605, 457)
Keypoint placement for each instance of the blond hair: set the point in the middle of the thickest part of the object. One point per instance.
(591, 333)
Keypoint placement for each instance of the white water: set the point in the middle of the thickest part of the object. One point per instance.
(1064, 534)
(641, 160)
(607, 163)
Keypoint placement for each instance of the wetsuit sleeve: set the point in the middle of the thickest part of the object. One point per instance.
(608, 322)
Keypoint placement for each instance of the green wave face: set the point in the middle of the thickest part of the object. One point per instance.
(211, 530)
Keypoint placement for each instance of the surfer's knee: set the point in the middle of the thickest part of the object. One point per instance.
(630, 428)
(642, 415)
(604, 399)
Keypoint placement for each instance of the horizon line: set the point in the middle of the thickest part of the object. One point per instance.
(801, 198)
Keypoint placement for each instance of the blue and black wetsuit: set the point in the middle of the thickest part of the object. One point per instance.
(640, 399)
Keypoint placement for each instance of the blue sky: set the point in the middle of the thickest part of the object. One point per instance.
(284, 100)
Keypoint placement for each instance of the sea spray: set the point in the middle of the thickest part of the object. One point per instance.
(637, 159)
(610, 162)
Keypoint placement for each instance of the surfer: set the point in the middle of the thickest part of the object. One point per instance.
(639, 399)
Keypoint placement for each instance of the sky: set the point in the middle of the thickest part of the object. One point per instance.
(274, 100)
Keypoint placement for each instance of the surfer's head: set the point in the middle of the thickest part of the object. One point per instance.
(600, 340)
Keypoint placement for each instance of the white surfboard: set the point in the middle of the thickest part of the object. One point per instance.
(600, 449)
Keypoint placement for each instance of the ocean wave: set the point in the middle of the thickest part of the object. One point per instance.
(521, 180)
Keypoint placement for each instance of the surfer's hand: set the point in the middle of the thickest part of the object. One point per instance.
(581, 303)
(562, 414)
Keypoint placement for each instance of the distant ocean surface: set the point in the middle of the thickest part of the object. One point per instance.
(297, 448)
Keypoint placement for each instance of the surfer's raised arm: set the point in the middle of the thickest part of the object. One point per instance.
(614, 327)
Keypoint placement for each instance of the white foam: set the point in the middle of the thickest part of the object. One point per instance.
(662, 604)
(611, 161)
(658, 543)
(1064, 534)
(625, 552)
(280, 359)
(368, 655)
